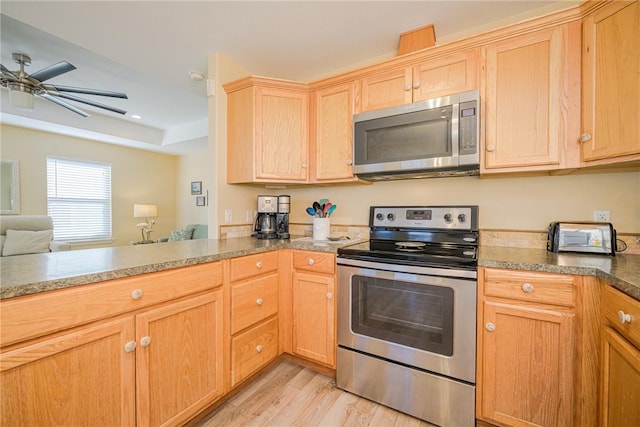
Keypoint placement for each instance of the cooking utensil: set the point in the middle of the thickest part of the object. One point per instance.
(324, 201)
(335, 239)
(332, 208)
(326, 207)
(311, 211)
(317, 208)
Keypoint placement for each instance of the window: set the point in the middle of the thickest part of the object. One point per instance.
(79, 199)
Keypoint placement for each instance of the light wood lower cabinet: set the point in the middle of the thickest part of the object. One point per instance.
(158, 365)
(620, 393)
(314, 306)
(254, 340)
(537, 348)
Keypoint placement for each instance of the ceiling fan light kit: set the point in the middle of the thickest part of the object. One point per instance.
(24, 87)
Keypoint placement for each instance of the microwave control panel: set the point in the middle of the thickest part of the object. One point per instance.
(468, 127)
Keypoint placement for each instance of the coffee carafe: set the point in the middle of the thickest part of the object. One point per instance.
(282, 217)
(265, 225)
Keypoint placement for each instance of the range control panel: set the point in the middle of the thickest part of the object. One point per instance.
(425, 217)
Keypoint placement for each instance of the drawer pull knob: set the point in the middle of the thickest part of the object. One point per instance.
(136, 294)
(527, 287)
(624, 317)
(311, 261)
(407, 87)
(259, 349)
(329, 295)
(259, 301)
(585, 137)
(416, 84)
(490, 327)
(491, 147)
(145, 341)
(259, 264)
(130, 346)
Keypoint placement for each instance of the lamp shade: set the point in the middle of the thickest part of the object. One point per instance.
(145, 211)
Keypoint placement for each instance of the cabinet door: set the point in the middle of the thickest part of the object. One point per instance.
(620, 382)
(333, 148)
(531, 107)
(386, 89)
(179, 359)
(611, 90)
(314, 317)
(527, 368)
(446, 76)
(81, 377)
(282, 134)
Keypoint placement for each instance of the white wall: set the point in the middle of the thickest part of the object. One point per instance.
(137, 177)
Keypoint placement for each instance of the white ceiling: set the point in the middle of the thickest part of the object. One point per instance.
(147, 48)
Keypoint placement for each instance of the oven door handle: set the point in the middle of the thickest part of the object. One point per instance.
(411, 269)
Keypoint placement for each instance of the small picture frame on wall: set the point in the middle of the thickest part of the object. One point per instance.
(200, 201)
(196, 187)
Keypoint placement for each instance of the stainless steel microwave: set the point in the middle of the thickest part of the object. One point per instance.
(436, 137)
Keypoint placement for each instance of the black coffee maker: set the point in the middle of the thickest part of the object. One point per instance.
(272, 221)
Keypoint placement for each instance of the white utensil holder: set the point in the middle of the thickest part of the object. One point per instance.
(321, 228)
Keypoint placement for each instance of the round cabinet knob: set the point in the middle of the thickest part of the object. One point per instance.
(349, 162)
(259, 349)
(407, 87)
(416, 84)
(304, 166)
(145, 341)
(130, 346)
(624, 317)
(527, 287)
(259, 264)
(329, 295)
(311, 261)
(136, 294)
(490, 327)
(585, 137)
(491, 147)
(259, 301)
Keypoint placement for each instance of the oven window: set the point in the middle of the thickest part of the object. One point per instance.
(412, 314)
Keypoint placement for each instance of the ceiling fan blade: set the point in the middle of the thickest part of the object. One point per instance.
(89, 102)
(89, 91)
(6, 70)
(63, 104)
(52, 71)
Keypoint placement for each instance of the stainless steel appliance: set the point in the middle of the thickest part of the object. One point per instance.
(282, 217)
(272, 221)
(265, 225)
(436, 137)
(407, 312)
(586, 237)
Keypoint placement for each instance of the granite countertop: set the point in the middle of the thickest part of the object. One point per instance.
(622, 271)
(30, 274)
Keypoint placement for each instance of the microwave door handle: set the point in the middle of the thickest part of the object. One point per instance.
(455, 131)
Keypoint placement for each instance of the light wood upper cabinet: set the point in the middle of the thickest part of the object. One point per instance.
(432, 78)
(332, 132)
(267, 131)
(611, 87)
(531, 101)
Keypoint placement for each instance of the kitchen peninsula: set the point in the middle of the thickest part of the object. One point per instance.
(213, 296)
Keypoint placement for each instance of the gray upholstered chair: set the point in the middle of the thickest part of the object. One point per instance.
(27, 234)
(190, 232)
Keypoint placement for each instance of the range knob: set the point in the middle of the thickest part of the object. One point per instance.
(448, 218)
(379, 216)
(391, 217)
(462, 218)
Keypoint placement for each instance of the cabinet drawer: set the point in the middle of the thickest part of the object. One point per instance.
(253, 265)
(34, 315)
(253, 301)
(253, 349)
(544, 288)
(318, 262)
(619, 307)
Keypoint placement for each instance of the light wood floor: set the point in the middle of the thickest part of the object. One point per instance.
(291, 395)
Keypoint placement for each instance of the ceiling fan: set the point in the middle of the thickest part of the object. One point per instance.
(23, 87)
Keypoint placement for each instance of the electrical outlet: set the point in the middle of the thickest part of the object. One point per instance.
(228, 216)
(249, 217)
(602, 215)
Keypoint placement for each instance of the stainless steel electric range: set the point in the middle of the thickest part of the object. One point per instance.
(407, 312)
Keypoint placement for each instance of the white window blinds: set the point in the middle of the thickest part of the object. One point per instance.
(79, 199)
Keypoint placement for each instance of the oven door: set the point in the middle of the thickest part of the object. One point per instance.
(408, 315)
